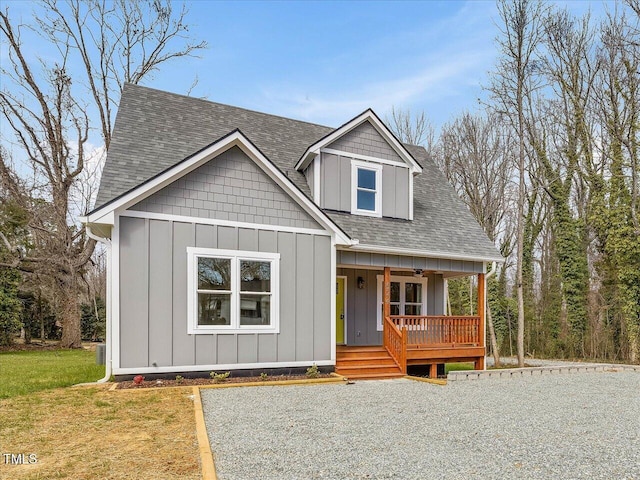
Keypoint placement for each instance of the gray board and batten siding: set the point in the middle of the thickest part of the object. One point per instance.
(153, 296)
(229, 187)
(368, 260)
(362, 304)
(335, 172)
(335, 184)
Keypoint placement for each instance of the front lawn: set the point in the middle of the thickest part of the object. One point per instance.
(30, 371)
(91, 433)
(454, 367)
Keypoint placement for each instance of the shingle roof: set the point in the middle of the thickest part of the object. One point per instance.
(441, 221)
(155, 130)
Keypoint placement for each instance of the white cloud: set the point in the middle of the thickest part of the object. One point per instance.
(418, 69)
(439, 78)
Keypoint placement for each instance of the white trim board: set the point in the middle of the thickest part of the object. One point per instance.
(115, 294)
(234, 139)
(366, 158)
(316, 179)
(221, 223)
(344, 328)
(235, 292)
(332, 300)
(377, 169)
(220, 367)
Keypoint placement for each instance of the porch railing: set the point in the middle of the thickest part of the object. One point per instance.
(395, 341)
(438, 331)
(401, 332)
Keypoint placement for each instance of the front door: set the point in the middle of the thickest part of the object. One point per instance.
(340, 323)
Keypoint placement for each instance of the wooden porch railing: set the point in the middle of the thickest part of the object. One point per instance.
(400, 332)
(439, 331)
(395, 341)
(424, 335)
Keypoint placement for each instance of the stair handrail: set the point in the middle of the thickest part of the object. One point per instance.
(395, 341)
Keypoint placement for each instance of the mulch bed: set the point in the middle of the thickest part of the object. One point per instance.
(186, 382)
(21, 347)
(37, 344)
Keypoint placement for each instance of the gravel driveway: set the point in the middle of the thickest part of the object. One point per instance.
(583, 426)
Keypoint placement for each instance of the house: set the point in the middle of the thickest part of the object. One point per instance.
(239, 240)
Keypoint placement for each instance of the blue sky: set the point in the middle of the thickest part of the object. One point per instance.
(325, 62)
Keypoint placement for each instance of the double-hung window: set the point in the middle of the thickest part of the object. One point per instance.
(366, 188)
(232, 291)
(408, 296)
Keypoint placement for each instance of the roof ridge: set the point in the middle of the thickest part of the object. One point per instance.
(182, 95)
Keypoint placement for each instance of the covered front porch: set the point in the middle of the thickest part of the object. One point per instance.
(412, 325)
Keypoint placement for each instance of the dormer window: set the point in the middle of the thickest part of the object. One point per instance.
(366, 188)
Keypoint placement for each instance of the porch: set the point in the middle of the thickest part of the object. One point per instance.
(427, 340)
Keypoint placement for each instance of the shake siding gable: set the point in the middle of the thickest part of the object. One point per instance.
(365, 140)
(229, 187)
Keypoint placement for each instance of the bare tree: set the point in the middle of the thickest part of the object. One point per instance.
(412, 129)
(475, 157)
(474, 154)
(45, 102)
(615, 212)
(560, 132)
(520, 35)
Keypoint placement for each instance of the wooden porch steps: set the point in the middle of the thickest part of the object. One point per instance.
(366, 363)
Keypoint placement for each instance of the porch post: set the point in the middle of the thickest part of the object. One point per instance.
(386, 302)
(481, 313)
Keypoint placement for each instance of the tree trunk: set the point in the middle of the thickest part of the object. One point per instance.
(70, 311)
(520, 225)
(492, 338)
(41, 317)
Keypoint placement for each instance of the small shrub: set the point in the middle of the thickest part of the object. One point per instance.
(263, 376)
(219, 377)
(312, 371)
(138, 379)
(179, 378)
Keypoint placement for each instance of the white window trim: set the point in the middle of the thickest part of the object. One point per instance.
(235, 255)
(400, 279)
(375, 167)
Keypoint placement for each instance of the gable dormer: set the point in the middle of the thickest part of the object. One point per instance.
(361, 168)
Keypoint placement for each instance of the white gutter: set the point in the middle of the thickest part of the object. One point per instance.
(108, 356)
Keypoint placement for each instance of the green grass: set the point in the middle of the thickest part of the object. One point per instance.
(452, 367)
(34, 370)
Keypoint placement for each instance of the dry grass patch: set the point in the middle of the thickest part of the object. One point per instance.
(92, 433)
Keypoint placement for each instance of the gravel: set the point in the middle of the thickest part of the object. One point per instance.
(578, 426)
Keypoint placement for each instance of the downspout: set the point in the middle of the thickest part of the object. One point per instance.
(108, 355)
(492, 272)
